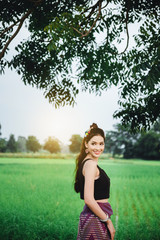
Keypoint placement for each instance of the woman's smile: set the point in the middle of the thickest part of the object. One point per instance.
(95, 146)
(97, 152)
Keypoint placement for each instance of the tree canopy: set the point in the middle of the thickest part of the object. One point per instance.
(52, 145)
(32, 144)
(3, 142)
(64, 35)
(11, 144)
(76, 141)
(145, 145)
(21, 144)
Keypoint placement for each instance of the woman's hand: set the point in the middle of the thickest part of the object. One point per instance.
(111, 228)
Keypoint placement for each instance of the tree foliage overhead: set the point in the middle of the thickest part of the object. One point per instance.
(71, 37)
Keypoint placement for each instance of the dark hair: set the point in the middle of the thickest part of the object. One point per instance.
(94, 131)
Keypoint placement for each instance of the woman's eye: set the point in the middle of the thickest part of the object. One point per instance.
(101, 144)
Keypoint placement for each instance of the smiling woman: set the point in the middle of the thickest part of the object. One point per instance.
(94, 186)
(95, 147)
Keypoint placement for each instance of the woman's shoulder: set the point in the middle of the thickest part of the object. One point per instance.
(89, 161)
(89, 168)
(89, 164)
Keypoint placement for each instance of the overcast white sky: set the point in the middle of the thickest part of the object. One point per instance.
(24, 111)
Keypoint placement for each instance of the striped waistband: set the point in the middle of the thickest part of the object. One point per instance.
(106, 207)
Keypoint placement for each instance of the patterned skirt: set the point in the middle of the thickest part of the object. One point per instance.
(90, 227)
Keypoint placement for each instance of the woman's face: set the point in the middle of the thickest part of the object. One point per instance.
(95, 146)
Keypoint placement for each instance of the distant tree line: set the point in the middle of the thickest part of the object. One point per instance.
(145, 145)
(31, 144)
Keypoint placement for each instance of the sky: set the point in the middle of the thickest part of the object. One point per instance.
(24, 111)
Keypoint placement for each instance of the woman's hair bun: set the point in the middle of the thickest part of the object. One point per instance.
(94, 125)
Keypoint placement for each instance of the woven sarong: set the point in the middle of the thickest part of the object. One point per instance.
(90, 227)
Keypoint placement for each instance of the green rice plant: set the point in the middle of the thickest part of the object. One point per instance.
(37, 200)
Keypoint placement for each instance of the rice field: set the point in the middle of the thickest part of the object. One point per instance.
(37, 200)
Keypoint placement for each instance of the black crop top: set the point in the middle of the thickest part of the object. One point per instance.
(101, 185)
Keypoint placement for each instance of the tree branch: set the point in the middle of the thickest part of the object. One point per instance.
(7, 29)
(105, 5)
(36, 1)
(92, 7)
(126, 21)
(77, 30)
(99, 13)
(87, 32)
(16, 32)
(91, 12)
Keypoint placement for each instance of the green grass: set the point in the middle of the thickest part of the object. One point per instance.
(37, 200)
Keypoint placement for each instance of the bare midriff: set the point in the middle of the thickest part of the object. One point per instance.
(103, 200)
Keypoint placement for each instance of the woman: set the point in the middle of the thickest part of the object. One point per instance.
(94, 186)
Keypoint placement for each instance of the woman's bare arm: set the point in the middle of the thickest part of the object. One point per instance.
(90, 169)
